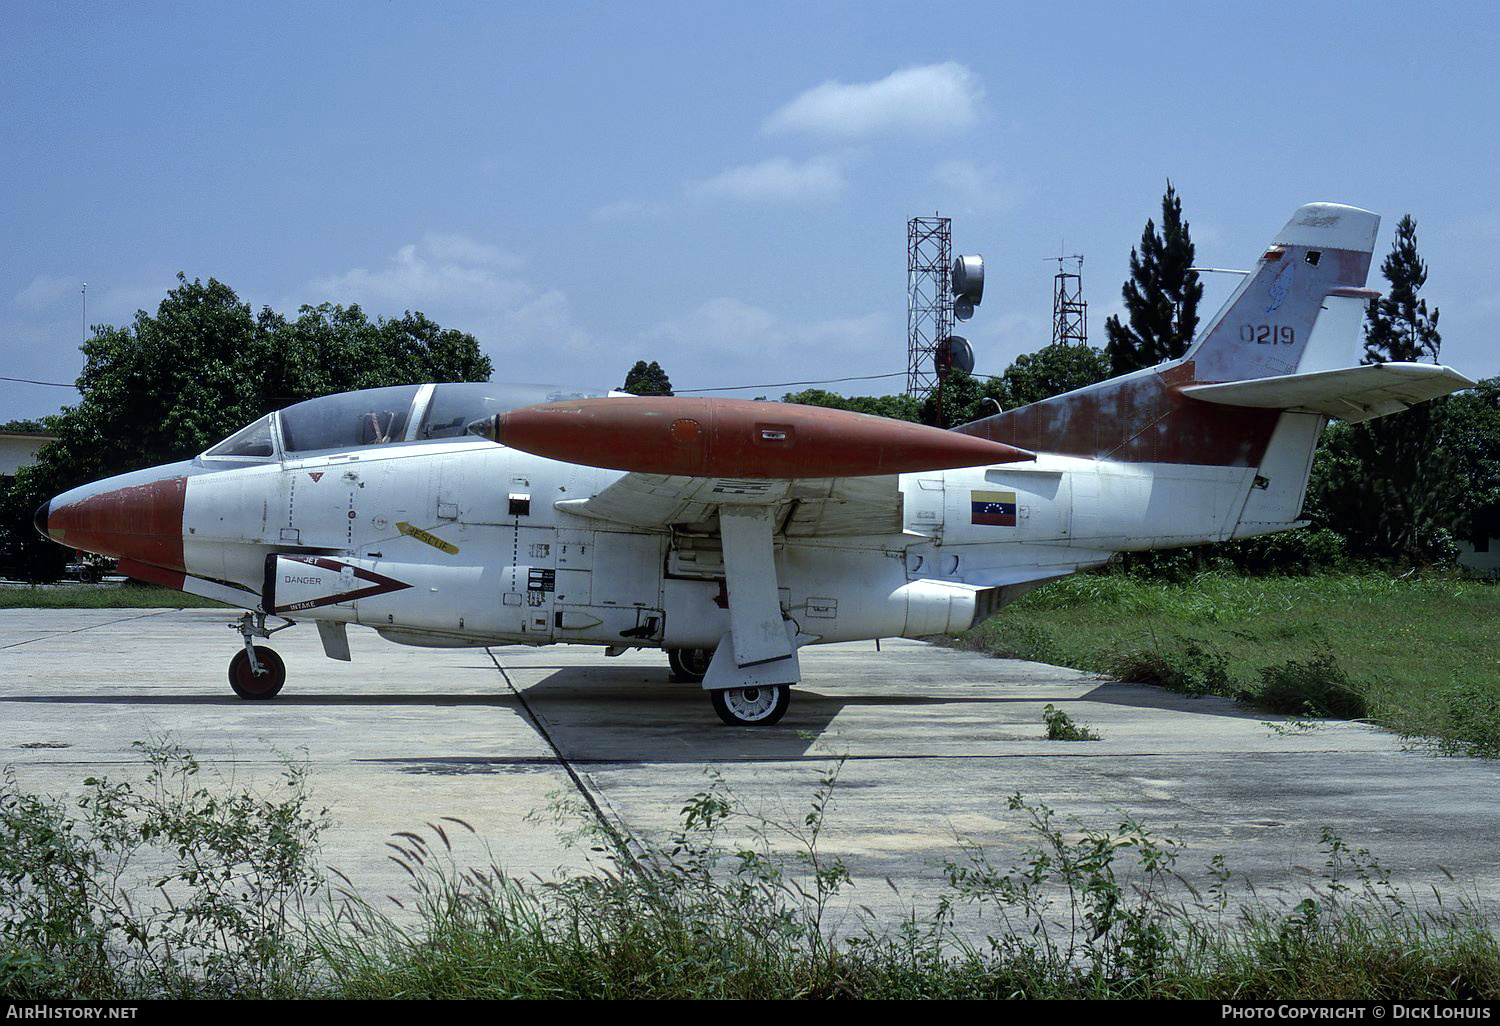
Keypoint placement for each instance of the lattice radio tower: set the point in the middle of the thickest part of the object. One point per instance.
(929, 300)
(1070, 314)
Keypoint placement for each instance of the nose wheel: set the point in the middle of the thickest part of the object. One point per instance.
(256, 671)
(253, 683)
(759, 706)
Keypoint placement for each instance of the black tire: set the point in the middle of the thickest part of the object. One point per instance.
(752, 707)
(247, 684)
(689, 665)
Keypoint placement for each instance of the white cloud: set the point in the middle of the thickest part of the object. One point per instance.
(464, 250)
(628, 210)
(465, 284)
(440, 268)
(974, 188)
(44, 291)
(727, 342)
(934, 99)
(777, 179)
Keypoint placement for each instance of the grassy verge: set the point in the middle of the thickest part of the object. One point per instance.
(235, 904)
(95, 596)
(1421, 656)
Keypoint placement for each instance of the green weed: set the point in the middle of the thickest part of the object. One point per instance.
(169, 888)
(1060, 726)
(178, 889)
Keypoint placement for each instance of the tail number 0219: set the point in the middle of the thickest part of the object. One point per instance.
(1268, 334)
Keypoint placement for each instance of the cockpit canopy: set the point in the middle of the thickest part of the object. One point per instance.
(399, 414)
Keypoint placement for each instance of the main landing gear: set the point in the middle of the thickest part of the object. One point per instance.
(256, 672)
(689, 664)
(758, 706)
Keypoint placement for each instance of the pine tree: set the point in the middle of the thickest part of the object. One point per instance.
(1398, 328)
(647, 379)
(1161, 295)
(1389, 485)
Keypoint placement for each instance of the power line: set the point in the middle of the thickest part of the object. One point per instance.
(720, 388)
(788, 384)
(29, 381)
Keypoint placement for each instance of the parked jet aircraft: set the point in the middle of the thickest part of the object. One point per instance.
(732, 533)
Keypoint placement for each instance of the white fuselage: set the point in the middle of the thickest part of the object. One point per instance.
(473, 532)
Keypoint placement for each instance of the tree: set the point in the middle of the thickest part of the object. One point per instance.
(166, 387)
(1474, 438)
(1393, 486)
(647, 379)
(1161, 295)
(1052, 370)
(965, 398)
(896, 407)
(1398, 328)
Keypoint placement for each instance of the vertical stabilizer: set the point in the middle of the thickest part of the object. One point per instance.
(1301, 307)
(1298, 310)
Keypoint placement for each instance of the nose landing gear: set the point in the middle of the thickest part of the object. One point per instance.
(256, 672)
(252, 681)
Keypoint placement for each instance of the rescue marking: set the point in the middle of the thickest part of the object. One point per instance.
(997, 509)
(426, 538)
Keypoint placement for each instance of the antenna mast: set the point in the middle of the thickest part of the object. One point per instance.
(929, 302)
(1069, 311)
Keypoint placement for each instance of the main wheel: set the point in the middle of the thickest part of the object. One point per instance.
(752, 707)
(245, 681)
(689, 664)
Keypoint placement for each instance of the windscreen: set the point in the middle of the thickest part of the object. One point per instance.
(250, 442)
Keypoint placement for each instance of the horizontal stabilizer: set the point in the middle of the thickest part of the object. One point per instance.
(1351, 394)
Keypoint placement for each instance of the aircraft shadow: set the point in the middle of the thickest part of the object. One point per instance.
(284, 699)
(1149, 696)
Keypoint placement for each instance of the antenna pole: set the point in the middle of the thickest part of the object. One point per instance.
(1070, 314)
(929, 301)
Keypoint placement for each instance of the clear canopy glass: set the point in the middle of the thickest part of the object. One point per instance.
(383, 416)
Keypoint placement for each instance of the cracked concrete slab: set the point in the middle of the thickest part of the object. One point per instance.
(932, 742)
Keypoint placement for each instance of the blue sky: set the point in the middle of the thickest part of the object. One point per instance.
(720, 187)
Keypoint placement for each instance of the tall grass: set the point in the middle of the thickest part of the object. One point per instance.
(176, 889)
(101, 596)
(1419, 655)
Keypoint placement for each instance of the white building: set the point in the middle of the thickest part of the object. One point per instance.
(1482, 559)
(18, 449)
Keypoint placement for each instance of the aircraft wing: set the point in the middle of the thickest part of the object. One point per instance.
(749, 469)
(801, 507)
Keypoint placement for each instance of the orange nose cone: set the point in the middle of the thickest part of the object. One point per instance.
(140, 519)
